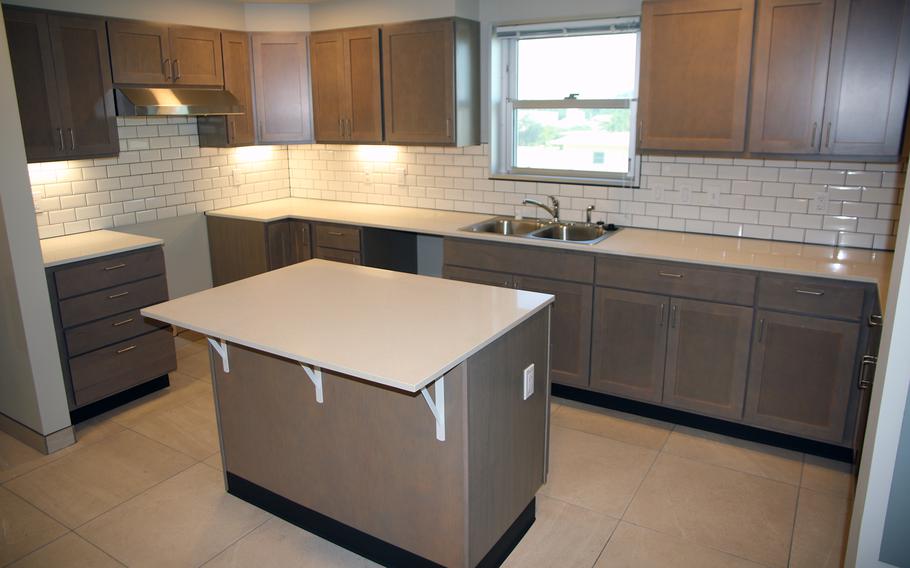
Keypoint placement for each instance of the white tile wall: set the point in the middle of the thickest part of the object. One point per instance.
(833, 203)
(161, 172)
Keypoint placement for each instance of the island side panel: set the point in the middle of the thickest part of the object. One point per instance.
(507, 435)
(367, 457)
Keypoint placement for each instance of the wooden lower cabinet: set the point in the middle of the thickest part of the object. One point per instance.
(707, 357)
(801, 375)
(239, 248)
(629, 343)
(478, 276)
(288, 243)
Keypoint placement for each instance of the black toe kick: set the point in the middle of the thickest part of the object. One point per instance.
(360, 542)
(94, 409)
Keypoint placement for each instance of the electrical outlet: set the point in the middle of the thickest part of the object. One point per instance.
(685, 196)
(37, 196)
(713, 197)
(528, 382)
(820, 202)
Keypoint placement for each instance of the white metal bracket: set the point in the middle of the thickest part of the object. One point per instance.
(315, 375)
(220, 347)
(437, 407)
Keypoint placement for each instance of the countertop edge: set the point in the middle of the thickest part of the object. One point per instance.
(150, 242)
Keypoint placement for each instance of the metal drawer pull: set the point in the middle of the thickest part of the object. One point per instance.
(869, 363)
(115, 267)
(72, 139)
(115, 296)
(167, 69)
(124, 322)
(809, 292)
(670, 275)
(125, 349)
(335, 234)
(761, 330)
(60, 133)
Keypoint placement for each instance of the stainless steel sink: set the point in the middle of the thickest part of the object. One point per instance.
(506, 226)
(583, 233)
(579, 233)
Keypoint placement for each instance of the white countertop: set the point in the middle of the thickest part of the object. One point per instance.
(391, 328)
(94, 244)
(754, 254)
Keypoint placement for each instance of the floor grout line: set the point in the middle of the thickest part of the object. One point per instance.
(268, 518)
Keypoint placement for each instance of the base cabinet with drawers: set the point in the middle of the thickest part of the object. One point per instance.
(341, 243)
(105, 345)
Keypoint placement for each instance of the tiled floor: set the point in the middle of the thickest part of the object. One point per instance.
(143, 487)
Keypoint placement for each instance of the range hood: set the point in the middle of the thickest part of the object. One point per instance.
(143, 101)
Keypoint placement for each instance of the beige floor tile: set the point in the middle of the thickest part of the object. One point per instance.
(183, 521)
(829, 476)
(92, 480)
(215, 461)
(17, 458)
(95, 429)
(563, 535)
(612, 424)
(632, 546)
(594, 472)
(820, 534)
(71, 551)
(183, 389)
(278, 543)
(23, 528)
(195, 365)
(741, 455)
(189, 428)
(742, 514)
(186, 344)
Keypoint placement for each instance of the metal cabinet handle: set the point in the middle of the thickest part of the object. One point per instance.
(60, 134)
(814, 132)
(350, 128)
(72, 139)
(660, 317)
(868, 365)
(341, 127)
(448, 127)
(116, 266)
(176, 69)
(641, 130)
(809, 292)
(124, 322)
(120, 295)
(167, 68)
(761, 330)
(670, 274)
(335, 234)
(125, 349)
(828, 136)
(674, 316)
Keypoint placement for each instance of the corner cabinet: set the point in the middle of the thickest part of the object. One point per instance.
(431, 82)
(239, 248)
(281, 87)
(63, 84)
(234, 130)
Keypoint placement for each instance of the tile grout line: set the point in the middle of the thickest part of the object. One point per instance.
(268, 518)
(799, 495)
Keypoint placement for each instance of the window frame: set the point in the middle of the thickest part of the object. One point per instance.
(504, 137)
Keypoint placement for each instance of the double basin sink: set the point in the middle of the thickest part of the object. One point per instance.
(579, 233)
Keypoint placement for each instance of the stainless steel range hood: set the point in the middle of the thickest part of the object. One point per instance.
(139, 101)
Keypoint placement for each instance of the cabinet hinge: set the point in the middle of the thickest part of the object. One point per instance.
(867, 371)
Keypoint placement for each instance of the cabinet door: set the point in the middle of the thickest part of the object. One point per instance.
(237, 248)
(331, 99)
(570, 328)
(500, 279)
(36, 84)
(280, 244)
(707, 357)
(235, 47)
(801, 375)
(281, 86)
(869, 77)
(197, 56)
(363, 84)
(418, 78)
(695, 57)
(301, 243)
(792, 47)
(81, 62)
(629, 343)
(140, 54)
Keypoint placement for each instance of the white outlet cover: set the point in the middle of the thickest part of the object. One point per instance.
(528, 382)
(685, 196)
(820, 202)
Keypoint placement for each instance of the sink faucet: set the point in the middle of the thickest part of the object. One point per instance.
(588, 210)
(553, 211)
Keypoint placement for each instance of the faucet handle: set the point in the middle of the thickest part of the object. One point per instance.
(588, 210)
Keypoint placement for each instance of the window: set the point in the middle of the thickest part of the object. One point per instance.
(564, 106)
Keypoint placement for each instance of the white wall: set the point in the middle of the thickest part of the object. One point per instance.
(277, 17)
(31, 381)
(208, 13)
(347, 13)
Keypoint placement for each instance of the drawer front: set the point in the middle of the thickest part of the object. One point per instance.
(338, 236)
(112, 369)
(531, 261)
(91, 336)
(811, 296)
(673, 279)
(338, 255)
(115, 300)
(109, 271)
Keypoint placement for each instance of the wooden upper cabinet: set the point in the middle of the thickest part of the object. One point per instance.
(868, 79)
(140, 53)
(327, 65)
(423, 101)
(196, 55)
(694, 78)
(790, 72)
(281, 87)
(232, 130)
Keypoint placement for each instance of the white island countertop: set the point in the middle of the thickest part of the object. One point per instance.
(94, 244)
(391, 328)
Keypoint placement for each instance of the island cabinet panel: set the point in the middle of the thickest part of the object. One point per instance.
(140, 53)
(281, 86)
(197, 56)
(792, 49)
(801, 375)
(629, 343)
(707, 357)
(694, 86)
(234, 130)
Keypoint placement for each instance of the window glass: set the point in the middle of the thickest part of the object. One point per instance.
(585, 139)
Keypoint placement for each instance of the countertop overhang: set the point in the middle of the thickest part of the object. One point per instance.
(93, 244)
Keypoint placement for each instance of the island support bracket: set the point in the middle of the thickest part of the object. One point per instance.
(220, 347)
(437, 407)
(315, 375)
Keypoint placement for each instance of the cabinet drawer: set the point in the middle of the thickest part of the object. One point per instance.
(109, 271)
(532, 261)
(112, 369)
(673, 279)
(338, 255)
(115, 300)
(811, 296)
(120, 327)
(338, 236)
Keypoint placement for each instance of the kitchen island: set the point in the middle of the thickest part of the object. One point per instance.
(387, 412)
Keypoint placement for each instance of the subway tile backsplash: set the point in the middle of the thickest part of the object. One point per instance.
(161, 172)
